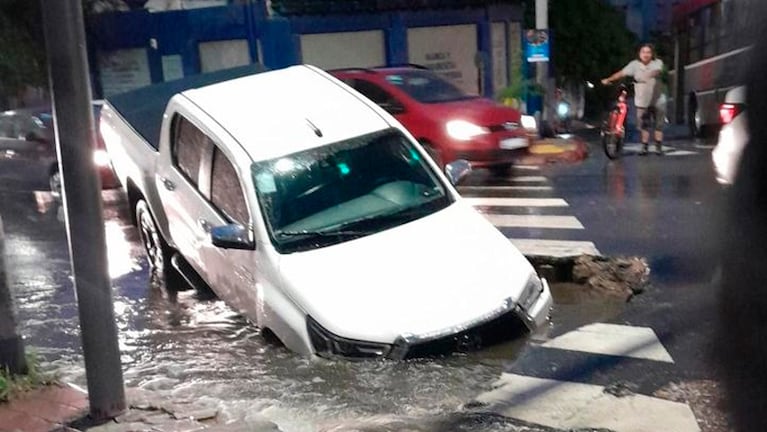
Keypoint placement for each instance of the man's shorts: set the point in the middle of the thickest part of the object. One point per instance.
(647, 116)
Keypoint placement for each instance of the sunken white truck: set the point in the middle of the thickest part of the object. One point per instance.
(313, 212)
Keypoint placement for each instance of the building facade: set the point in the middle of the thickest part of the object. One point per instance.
(474, 43)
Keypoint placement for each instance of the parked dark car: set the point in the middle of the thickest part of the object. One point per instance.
(27, 138)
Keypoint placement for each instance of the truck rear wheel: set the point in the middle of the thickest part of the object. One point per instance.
(158, 252)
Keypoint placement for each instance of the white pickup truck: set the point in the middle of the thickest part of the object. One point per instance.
(312, 211)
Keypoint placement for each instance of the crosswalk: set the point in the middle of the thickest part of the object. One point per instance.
(634, 148)
(537, 223)
(598, 376)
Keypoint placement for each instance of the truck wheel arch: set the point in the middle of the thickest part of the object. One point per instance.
(134, 195)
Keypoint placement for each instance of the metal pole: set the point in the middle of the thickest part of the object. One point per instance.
(542, 68)
(11, 344)
(75, 138)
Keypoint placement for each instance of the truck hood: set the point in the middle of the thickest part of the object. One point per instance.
(426, 276)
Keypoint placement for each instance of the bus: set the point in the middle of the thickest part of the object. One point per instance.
(713, 54)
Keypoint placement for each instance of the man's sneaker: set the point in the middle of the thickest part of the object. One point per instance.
(644, 151)
(659, 150)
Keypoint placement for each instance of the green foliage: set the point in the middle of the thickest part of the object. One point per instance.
(589, 42)
(590, 39)
(22, 62)
(519, 89)
(13, 385)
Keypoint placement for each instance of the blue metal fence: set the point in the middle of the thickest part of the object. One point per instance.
(180, 33)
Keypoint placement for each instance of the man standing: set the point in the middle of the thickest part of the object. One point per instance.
(649, 98)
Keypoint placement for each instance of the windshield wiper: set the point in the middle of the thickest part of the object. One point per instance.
(321, 233)
(398, 214)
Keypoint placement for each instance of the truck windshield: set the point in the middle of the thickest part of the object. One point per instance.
(345, 190)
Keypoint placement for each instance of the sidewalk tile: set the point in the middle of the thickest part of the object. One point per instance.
(46, 409)
(66, 396)
(13, 421)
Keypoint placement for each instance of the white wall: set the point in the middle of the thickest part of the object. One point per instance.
(163, 5)
(449, 51)
(124, 70)
(344, 50)
(225, 54)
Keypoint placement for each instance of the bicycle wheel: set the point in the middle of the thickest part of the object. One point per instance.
(612, 144)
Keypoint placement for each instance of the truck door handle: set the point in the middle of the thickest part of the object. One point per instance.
(204, 225)
(169, 185)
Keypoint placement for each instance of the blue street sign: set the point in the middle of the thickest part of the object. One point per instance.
(537, 47)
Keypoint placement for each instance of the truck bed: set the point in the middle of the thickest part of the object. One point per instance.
(143, 108)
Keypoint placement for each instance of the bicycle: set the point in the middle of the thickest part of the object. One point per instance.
(613, 130)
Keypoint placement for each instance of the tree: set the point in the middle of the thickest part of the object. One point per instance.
(23, 63)
(589, 41)
(21, 42)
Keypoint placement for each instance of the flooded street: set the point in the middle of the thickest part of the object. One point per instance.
(189, 346)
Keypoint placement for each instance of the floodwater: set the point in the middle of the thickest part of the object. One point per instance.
(192, 347)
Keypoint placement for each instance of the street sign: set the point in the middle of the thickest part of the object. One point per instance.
(537, 47)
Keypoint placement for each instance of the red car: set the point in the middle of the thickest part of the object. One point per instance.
(448, 122)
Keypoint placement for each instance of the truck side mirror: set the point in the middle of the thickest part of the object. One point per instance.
(457, 170)
(232, 236)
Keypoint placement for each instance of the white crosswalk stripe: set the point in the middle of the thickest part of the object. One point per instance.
(615, 340)
(569, 405)
(534, 221)
(503, 188)
(667, 151)
(529, 179)
(495, 202)
(555, 248)
(538, 398)
(516, 202)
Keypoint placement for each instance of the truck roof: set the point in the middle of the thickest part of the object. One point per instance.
(284, 111)
(143, 108)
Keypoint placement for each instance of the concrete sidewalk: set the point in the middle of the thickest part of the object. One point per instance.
(43, 410)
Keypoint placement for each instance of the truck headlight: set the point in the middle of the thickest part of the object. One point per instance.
(326, 344)
(531, 292)
(463, 130)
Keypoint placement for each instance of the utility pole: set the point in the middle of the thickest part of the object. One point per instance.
(12, 354)
(542, 68)
(75, 141)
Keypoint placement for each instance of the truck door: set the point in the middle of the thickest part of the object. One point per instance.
(233, 272)
(180, 188)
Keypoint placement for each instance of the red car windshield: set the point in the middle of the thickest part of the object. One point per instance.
(427, 87)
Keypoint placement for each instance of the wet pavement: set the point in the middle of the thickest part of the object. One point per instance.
(188, 346)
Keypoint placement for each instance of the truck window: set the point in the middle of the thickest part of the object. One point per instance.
(225, 191)
(189, 145)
